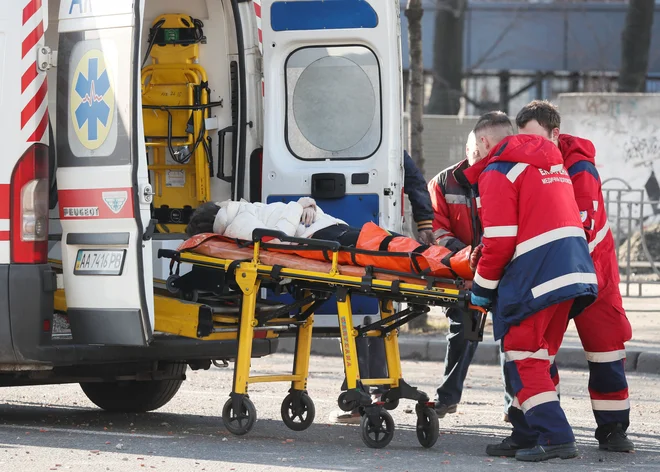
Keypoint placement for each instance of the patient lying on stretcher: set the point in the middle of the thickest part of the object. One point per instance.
(301, 219)
(373, 245)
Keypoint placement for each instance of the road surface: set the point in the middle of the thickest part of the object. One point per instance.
(57, 428)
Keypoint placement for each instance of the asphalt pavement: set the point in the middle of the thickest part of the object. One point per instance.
(57, 428)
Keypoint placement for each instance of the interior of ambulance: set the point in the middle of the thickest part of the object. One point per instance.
(190, 99)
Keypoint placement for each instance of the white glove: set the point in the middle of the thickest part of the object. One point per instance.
(308, 216)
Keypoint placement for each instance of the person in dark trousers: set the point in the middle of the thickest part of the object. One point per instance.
(455, 226)
(371, 350)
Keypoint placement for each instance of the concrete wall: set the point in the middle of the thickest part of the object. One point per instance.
(625, 128)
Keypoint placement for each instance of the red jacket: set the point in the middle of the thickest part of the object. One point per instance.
(535, 252)
(580, 161)
(455, 220)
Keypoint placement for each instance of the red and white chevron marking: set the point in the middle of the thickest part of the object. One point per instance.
(34, 86)
(257, 12)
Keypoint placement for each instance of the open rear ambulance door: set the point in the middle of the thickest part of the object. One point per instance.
(333, 110)
(104, 195)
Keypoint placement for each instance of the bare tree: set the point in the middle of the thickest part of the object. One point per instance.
(635, 46)
(414, 13)
(448, 58)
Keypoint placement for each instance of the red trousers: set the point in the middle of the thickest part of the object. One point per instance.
(528, 349)
(603, 329)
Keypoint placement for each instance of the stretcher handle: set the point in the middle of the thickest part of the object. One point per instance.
(260, 233)
(478, 308)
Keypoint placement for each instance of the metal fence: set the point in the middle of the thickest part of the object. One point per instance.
(630, 211)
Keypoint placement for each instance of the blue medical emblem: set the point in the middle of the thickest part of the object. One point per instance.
(92, 90)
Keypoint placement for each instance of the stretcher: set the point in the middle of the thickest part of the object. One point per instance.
(227, 279)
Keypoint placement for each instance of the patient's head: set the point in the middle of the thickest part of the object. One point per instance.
(202, 219)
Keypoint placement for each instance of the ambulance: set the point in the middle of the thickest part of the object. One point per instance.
(119, 118)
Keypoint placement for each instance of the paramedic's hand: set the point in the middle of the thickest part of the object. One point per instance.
(308, 216)
(475, 256)
(480, 301)
(425, 236)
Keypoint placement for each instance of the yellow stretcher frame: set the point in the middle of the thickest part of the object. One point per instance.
(377, 426)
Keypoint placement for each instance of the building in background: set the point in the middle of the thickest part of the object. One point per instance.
(517, 51)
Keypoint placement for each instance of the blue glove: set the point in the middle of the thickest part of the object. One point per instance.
(480, 301)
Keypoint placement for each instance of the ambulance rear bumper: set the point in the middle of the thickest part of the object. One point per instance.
(26, 311)
(26, 319)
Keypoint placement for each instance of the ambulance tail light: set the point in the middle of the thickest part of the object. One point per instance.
(29, 207)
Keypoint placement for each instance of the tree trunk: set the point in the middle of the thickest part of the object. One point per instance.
(635, 45)
(414, 13)
(447, 58)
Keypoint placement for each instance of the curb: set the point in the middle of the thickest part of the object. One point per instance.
(487, 353)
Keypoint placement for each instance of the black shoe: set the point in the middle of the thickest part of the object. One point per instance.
(543, 453)
(507, 448)
(442, 410)
(616, 441)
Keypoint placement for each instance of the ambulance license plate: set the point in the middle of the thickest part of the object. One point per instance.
(100, 262)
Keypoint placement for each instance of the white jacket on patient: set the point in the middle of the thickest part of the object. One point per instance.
(239, 219)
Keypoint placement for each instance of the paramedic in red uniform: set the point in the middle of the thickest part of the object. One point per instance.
(603, 327)
(535, 272)
(455, 226)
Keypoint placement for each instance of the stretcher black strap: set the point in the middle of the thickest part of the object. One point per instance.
(396, 287)
(447, 261)
(275, 272)
(368, 279)
(231, 270)
(415, 264)
(385, 243)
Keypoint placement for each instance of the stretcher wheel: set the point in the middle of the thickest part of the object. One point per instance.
(242, 422)
(427, 426)
(380, 434)
(391, 404)
(190, 296)
(346, 405)
(169, 284)
(298, 411)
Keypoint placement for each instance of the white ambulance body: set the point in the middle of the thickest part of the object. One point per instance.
(302, 98)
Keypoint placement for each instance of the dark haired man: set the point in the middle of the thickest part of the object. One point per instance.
(535, 272)
(603, 327)
(455, 226)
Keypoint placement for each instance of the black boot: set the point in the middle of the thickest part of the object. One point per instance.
(615, 440)
(543, 453)
(507, 448)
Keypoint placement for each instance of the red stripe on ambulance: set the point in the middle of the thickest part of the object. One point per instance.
(4, 201)
(96, 204)
(34, 86)
(33, 38)
(29, 76)
(32, 107)
(30, 9)
(41, 130)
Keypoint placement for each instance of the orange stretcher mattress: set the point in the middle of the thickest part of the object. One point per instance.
(213, 245)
